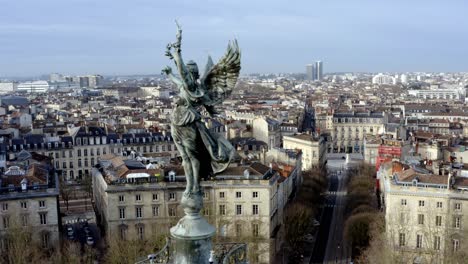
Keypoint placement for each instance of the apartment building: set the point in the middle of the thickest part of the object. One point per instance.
(243, 202)
(424, 212)
(350, 129)
(75, 153)
(29, 194)
(313, 149)
(267, 130)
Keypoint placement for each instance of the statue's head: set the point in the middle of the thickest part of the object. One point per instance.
(193, 69)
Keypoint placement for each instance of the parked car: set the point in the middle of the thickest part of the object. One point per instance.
(316, 223)
(90, 240)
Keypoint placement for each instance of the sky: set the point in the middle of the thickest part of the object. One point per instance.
(117, 37)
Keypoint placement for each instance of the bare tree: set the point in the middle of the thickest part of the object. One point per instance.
(65, 192)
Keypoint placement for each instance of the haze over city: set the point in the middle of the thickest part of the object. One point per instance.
(129, 37)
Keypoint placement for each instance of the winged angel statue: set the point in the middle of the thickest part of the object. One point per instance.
(203, 154)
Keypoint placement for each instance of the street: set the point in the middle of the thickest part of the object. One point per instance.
(330, 246)
(337, 251)
(320, 246)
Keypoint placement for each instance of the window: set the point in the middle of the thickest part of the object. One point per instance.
(121, 198)
(419, 240)
(458, 206)
(156, 210)
(6, 222)
(438, 220)
(155, 197)
(255, 209)
(79, 153)
(172, 196)
(139, 213)
(222, 209)
(255, 228)
(206, 211)
(205, 195)
(43, 218)
(45, 239)
(79, 163)
(238, 209)
(255, 195)
(421, 203)
(456, 222)
(42, 204)
(420, 219)
(122, 213)
(138, 197)
(141, 232)
(436, 242)
(402, 218)
(238, 230)
(123, 232)
(5, 207)
(221, 194)
(455, 244)
(24, 220)
(403, 201)
(402, 240)
(172, 211)
(85, 152)
(439, 204)
(64, 165)
(238, 195)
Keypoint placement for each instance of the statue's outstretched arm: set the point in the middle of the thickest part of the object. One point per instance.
(168, 71)
(177, 56)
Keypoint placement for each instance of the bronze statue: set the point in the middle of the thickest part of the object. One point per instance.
(203, 154)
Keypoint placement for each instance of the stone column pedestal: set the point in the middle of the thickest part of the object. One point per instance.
(192, 234)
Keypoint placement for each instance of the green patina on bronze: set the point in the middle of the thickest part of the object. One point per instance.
(203, 153)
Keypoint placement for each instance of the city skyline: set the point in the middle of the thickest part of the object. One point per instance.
(117, 37)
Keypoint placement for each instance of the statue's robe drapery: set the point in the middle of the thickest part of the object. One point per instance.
(192, 137)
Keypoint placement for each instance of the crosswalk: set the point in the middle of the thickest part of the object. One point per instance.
(337, 193)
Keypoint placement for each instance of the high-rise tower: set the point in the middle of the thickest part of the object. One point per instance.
(319, 70)
(310, 72)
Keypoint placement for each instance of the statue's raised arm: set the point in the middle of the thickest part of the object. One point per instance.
(187, 79)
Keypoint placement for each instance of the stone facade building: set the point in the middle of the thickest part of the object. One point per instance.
(75, 154)
(313, 149)
(244, 203)
(29, 201)
(350, 129)
(424, 212)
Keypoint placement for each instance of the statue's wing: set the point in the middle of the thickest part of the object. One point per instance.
(222, 77)
(208, 67)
